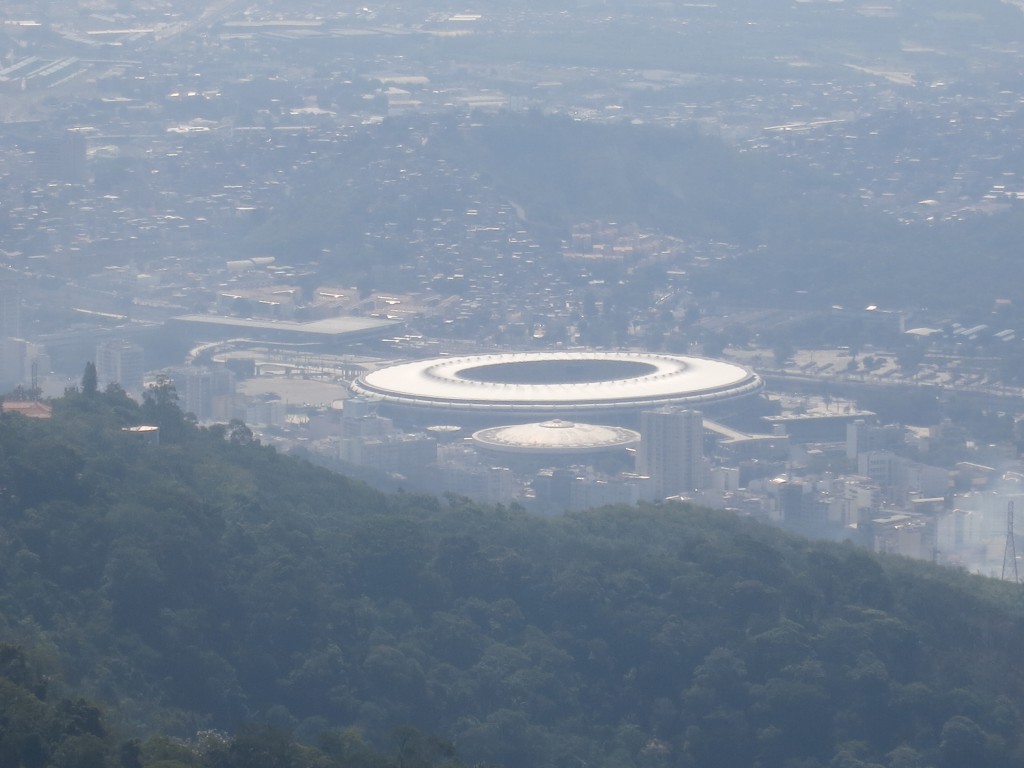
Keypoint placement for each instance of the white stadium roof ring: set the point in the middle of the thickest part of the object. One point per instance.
(558, 383)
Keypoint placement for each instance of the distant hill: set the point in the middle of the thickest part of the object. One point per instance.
(560, 172)
(209, 582)
(795, 228)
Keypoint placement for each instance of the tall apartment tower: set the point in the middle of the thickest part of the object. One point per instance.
(122, 363)
(205, 392)
(672, 450)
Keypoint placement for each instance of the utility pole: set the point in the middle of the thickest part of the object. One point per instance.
(1010, 550)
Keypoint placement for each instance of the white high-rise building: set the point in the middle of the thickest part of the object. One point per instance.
(672, 450)
(120, 362)
(203, 391)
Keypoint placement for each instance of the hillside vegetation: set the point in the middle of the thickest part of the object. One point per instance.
(209, 583)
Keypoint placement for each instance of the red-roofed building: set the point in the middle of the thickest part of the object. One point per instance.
(29, 408)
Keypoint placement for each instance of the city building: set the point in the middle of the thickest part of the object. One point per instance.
(207, 393)
(268, 411)
(672, 450)
(120, 362)
(331, 333)
(412, 456)
(489, 484)
(899, 477)
(863, 436)
(30, 409)
(580, 489)
(852, 500)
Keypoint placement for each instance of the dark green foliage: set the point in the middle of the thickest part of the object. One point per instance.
(71, 734)
(209, 582)
(89, 382)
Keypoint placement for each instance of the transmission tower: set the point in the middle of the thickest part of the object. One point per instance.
(1010, 551)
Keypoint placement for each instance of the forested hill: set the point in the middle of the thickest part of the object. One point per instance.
(208, 583)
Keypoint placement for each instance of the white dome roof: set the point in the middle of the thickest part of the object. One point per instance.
(555, 436)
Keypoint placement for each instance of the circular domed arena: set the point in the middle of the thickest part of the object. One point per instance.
(542, 386)
(555, 438)
(553, 443)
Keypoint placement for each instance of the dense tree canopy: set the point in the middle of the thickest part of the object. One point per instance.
(211, 583)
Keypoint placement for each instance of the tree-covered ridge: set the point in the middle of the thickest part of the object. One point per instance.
(37, 732)
(208, 582)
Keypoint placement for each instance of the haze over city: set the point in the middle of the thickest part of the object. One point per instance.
(761, 258)
(824, 193)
